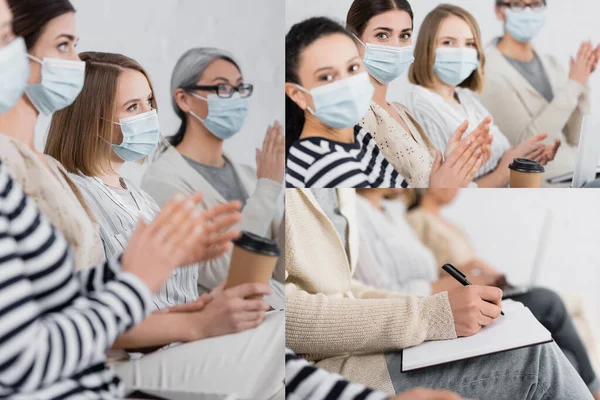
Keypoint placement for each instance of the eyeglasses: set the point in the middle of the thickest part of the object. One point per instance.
(225, 90)
(521, 5)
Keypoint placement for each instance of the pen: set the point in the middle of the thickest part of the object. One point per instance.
(459, 276)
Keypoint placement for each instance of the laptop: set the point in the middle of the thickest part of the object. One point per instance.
(588, 153)
(510, 290)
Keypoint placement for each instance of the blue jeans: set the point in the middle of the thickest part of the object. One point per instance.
(534, 373)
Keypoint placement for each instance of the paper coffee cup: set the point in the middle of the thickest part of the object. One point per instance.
(253, 260)
(525, 173)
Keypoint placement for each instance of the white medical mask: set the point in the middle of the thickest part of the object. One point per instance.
(14, 73)
(225, 117)
(141, 134)
(453, 65)
(342, 104)
(524, 25)
(386, 63)
(62, 81)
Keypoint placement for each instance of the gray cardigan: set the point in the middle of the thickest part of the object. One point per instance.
(262, 215)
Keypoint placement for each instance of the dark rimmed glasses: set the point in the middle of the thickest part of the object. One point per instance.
(521, 5)
(225, 90)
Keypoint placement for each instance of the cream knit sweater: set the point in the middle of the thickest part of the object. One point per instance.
(337, 321)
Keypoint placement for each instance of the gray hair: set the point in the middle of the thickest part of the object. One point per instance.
(188, 70)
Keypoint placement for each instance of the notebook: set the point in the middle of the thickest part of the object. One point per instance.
(517, 329)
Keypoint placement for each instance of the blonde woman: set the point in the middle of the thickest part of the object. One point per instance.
(448, 74)
(113, 121)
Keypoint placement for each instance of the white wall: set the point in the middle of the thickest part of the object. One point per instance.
(569, 23)
(505, 227)
(157, 32)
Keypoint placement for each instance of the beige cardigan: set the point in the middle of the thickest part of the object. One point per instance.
(57, 197)
(330, 317)
(262, 215)
(521, 112)
(411, 153)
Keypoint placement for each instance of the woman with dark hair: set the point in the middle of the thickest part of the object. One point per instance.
(327, 93)
(210, 96)
(384, 29)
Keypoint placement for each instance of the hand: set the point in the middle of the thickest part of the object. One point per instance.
(191, 307)
(156, 249)
(480, 136)
(230, 312)
(551, 150)
(583, 64)
(426, 394)
(474, 307)
(216, 224)
(270, 161)
(531, 149)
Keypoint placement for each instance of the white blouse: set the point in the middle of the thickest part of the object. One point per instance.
(390, 255)
(441, 119)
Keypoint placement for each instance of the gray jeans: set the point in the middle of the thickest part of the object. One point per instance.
(533, 373)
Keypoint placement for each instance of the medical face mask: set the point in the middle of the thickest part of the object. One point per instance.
(524, 25)
(454, 65)
(387, 63)
(62, 81)
(342, 104)
(141, 134)
(14, 73)
(225, 117)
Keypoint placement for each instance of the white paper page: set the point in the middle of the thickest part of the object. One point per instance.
(518, 328)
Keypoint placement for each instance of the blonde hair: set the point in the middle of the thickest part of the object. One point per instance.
(79, 133)
(421, 72)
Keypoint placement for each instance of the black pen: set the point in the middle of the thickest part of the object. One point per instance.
(459, 276)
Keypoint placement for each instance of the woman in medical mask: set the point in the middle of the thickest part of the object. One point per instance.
(448, 72)
(114, 121)
(328, 92)
(211, 97)
(49, 35)
(528, 92)
(384, 29)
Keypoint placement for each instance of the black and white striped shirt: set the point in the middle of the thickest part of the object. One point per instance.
(322, 163)
(304, 381)
(57, 324)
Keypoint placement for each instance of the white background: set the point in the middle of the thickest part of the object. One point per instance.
(569, 22)
(157, 32)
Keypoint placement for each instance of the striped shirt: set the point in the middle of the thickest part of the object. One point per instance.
(117, 212)
(322, 163)
(304, 381)
(56, 324)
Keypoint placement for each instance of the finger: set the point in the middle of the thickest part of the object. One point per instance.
(465, 165)
(489, 310)
(255, 305)
(463, 151)
(216, 251)
(165, 215)
(246, 325)
(489, 293)
(181, 219)
(484, 320)
(257, 156)
(470, 171)
(458, 134)
(268, 143)
(222, 209)
(252, 316)
(538, 138)
(483, 128)
(249, 289)
(183, 240)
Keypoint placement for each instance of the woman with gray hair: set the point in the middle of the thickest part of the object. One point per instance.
(210, 97)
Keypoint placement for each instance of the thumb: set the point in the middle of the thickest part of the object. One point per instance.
(541, 137)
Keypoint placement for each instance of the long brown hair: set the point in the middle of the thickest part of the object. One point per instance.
(79, 133)
(421, 72)
(31, 16)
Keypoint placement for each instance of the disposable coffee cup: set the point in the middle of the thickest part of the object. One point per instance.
(525, 173)
(253, 260)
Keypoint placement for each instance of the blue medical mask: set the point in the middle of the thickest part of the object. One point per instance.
(14, 75)
(342, 104)
(387, 63)
(62, 81)
(524, 25)
(141, 134)
(225, 117)
(454, 65)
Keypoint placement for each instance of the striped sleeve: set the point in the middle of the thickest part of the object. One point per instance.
(304, 381)
(49, 331)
